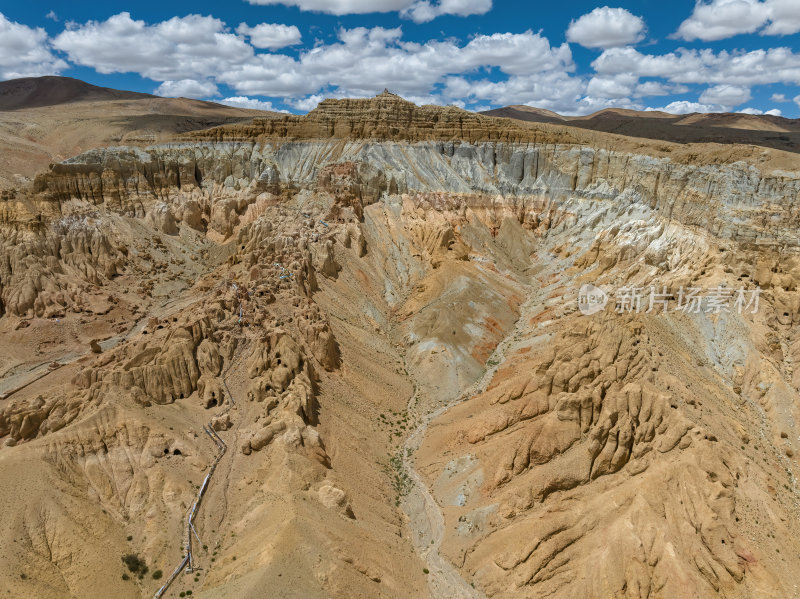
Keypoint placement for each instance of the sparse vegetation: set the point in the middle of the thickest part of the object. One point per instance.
(401, 482)
(136, 565)
(157, 574)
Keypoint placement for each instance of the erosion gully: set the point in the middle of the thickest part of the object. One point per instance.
(425, 516)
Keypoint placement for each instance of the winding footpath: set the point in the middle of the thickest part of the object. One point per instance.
(188, 559)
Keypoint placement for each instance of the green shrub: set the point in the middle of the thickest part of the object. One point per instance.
(157, 574)
(135, 564)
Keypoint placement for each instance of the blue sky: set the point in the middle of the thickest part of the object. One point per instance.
(572, 57)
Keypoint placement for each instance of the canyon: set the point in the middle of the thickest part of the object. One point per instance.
(375, 308)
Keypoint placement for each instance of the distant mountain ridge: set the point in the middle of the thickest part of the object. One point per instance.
(35, 92)
(526, 113)
(724, 128)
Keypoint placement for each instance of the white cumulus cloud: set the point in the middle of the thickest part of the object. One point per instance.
(25, 51)
(308, 103)
(606, 27)
(784, 17)
(757, 67)
(616, 86)
(726, 95)
(341, 7)
(591, 104)
(419, 10)
(187, 88)
(424, 11)
(189, 47)
(554, 90)
(270, 35)
(364, 61)
(720, 19)
(687, 107)
(657, 88)
(252, 103)
(756, 111)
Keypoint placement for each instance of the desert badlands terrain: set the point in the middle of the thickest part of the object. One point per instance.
(342, 354)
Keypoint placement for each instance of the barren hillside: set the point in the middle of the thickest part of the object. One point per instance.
(724, 128)
(341, 355)
(48, 119)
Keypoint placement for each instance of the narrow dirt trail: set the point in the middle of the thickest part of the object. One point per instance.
(190, 532)
(222, 447)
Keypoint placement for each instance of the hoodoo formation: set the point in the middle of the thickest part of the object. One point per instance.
(374, 309)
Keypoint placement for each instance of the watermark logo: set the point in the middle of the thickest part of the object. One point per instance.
(591, 300)
(689, 300)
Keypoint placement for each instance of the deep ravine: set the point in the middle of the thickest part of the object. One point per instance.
(425, 518)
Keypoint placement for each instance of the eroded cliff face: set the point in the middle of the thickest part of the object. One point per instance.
(651, 447)
(321, 289)
(217, 188)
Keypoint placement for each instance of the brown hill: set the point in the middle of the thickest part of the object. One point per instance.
(34, 92)
(752, 122)
(613, 113)
(722, 128)
(526, 113)
(49, 119)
